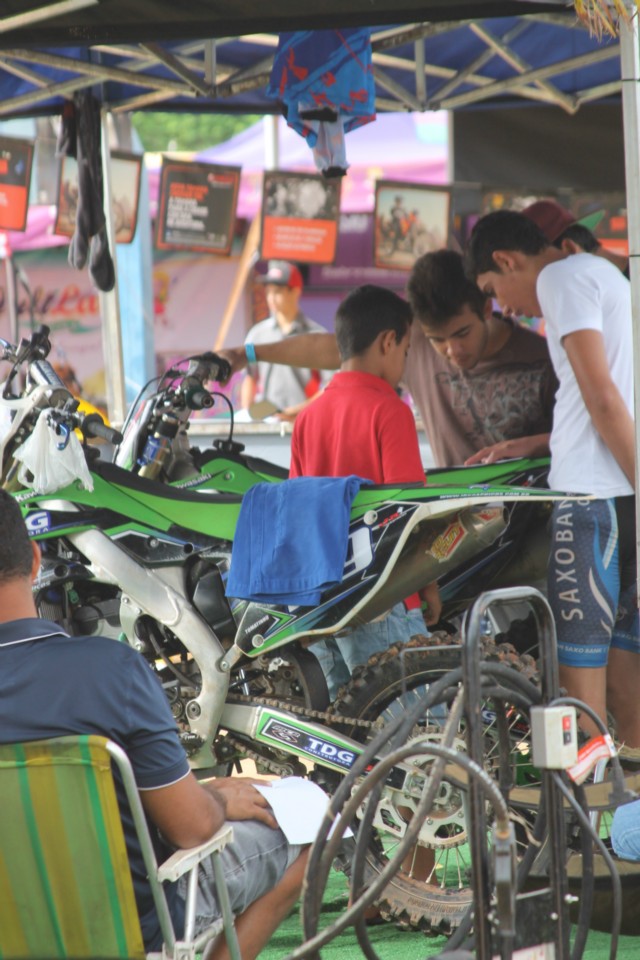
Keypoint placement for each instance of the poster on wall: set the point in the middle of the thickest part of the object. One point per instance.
(16, 160)
(125, 173)
(300, 216)
(410, 220)
(197, 206)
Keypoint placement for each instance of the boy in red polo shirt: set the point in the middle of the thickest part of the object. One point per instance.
(360, 426)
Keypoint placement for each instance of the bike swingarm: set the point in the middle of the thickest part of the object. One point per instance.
(301, 738)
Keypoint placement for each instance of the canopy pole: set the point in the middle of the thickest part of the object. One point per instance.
(247, 259)
(109, 302)
(12, 299)
(271, 142)
(630, 74)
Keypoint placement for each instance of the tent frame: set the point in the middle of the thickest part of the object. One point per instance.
(197, 71)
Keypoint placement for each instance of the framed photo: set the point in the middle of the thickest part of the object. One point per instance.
(197, 206)
(300, 217)
(16, 160)
(410, 220)
(65, 224)
(126, 170)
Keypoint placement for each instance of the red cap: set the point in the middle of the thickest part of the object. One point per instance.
(282, 274)
(550, 217)
(553, 219)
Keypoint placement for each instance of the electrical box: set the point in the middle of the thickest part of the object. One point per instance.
(554, 737)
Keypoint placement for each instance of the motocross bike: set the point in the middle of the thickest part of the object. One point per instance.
(145, 562)
(155, 441)
(156, 445)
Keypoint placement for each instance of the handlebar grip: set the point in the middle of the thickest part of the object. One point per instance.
(199, 399)
(94, 426)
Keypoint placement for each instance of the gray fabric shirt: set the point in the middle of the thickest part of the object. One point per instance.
(283, 385)
(507, 396)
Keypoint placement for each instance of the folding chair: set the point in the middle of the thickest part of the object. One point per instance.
(64, 872)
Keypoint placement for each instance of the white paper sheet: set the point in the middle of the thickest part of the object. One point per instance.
(299, 806)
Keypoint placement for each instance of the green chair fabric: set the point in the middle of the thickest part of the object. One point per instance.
(65, 883)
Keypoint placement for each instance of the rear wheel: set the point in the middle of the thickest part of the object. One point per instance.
(431, 891)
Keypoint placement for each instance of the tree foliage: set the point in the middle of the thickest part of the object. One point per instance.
(187, 131)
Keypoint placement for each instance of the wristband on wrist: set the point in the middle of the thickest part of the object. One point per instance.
(250, 353)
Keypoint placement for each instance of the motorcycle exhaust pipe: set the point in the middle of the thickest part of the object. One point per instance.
(435, 547)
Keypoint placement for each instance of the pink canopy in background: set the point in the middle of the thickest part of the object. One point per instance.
(396, 146)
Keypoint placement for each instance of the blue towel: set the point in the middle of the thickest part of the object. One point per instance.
(291, 539)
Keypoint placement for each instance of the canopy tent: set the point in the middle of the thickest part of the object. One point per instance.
(140, 54)
(447, 54)
(463, 60)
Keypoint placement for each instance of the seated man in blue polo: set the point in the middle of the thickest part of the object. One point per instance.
(54, 685)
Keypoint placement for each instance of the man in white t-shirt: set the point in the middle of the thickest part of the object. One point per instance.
(586, 303)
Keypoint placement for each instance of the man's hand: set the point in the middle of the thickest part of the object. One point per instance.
(236, 357)
(241, 799)
(535, 446)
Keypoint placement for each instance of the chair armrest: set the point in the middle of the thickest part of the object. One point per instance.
(182, 861)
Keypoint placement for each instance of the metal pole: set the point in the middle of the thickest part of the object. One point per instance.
(12, 301)
(630, 73)
(271, 143)
(109, 303)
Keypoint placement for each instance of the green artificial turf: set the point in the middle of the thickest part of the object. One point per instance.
(390, 943)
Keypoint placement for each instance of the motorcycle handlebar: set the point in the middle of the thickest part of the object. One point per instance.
(199, 399)
(44, 375)
(94, 426)
(38, 345)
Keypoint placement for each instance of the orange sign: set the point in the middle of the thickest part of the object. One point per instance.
(300, 213)
(16, 158)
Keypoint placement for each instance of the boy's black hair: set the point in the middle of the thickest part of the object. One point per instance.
(365, 313)
(438, 289)
(16, 555)
(580, 235)
(501, 230)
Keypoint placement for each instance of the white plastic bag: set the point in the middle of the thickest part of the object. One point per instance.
(45, 468)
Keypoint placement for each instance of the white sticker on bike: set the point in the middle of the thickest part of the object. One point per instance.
(359, 552)
(38, 522)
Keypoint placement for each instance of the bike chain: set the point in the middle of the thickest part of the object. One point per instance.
(305, 712)
(272, 765)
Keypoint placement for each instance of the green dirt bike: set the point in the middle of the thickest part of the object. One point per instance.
(156, 445)
(144, 562)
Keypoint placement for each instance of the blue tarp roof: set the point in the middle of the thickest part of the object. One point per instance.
(547, 58)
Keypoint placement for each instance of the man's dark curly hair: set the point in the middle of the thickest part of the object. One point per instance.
(501, 230)
(438, 289)
(16, 555)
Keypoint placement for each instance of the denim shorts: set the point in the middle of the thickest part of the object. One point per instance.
(254, 863)
(340, 655)
(625, 831)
